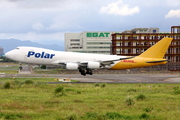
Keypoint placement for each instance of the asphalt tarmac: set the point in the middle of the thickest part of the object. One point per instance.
(113, 78)
(108, 78)
(125, 78)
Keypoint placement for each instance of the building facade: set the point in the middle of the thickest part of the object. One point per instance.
(96, 41)
(133, 44)
(88, 42)
(130, 43)
(1, 51)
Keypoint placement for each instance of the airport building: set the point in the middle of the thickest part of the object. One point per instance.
(1, 51)
(96, 42)
(133, 43)
(88, 42)
(130, 42)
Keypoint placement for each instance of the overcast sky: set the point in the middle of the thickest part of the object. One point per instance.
(46, 21)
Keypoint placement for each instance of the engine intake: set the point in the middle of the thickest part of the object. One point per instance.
(93, 65)
(72, 66)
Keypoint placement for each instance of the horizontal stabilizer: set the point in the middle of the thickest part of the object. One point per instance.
(157, 61)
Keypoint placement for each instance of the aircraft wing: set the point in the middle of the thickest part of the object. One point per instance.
(84, 63)
(110, 61)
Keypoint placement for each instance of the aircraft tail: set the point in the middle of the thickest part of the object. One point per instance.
(158, 50)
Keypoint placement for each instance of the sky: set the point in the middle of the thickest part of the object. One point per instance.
(46, 21)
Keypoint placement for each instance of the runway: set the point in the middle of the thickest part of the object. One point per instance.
(108, 78)
(114, 78)
(127, 78)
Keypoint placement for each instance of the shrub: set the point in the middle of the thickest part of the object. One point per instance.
(139, 84)
(144, 116)
(69, 90)
(1, 115)
(129, 101)
(7, 85)
(78, 92)
(29, 82)
(71, 117)
(96, 85)
(113, 115)
(111, 105)
(13, 116)
(59, 91)
(176, 90)
(91, 115)
(132, 90)
(148, 109)
(103, 85)
(140, 97)
(16, 82)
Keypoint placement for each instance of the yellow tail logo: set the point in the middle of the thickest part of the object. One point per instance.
(158, 50)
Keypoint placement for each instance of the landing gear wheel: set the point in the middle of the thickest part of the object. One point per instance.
(89, 72)
(82, 71)
(85, 71)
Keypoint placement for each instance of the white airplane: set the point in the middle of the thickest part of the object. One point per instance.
(86, 62)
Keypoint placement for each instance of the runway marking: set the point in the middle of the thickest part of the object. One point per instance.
(166, 80)
(169, 79)
(133, 79)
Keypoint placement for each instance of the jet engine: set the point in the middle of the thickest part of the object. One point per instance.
(93, 65)
(72, 66)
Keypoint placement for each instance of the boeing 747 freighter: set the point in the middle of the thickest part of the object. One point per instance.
(86, 62)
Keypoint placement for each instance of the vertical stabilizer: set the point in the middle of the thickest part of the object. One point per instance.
(158, 50)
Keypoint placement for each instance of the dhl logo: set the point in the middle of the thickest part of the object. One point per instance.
(129, 61)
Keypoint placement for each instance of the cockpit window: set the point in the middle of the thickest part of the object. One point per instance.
(17, 48)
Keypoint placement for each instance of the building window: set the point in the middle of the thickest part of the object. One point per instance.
(75, 40)
(98, 42)
(74, 44)
(154, 31)
(98, 47)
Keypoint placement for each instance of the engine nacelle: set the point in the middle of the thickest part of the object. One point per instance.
(93, 65)
(72, 66)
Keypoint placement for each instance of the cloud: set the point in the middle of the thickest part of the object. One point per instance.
(38, 26)
(41, 20)
(48, 5)
(35, 4)
(118, 8)
(173, 3)
(35, 37)
(173, 14)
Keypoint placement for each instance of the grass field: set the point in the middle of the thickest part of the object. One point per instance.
(9, 70)
(27, 99)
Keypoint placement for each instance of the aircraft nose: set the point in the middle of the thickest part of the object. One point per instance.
(8, 54)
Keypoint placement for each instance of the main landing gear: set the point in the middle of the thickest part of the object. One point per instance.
(85, 71)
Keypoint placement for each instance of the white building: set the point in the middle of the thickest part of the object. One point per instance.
(88, 42)
(96, 42)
